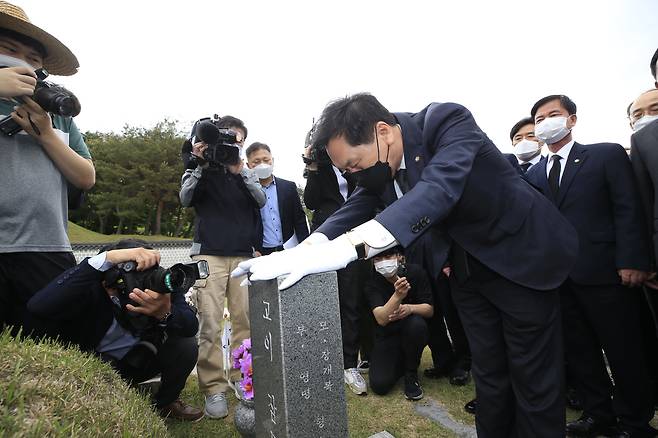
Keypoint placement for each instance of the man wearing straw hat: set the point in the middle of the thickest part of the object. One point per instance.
(39, 161)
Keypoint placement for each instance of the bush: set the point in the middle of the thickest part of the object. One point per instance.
(49, 390)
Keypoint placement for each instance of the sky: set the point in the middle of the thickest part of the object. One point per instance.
(276, 64)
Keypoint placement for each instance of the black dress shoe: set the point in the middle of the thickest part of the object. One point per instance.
(621, 432)
(470, 406)
(459, 377)
(587, 426)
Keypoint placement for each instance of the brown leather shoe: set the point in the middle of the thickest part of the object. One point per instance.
(181, 411)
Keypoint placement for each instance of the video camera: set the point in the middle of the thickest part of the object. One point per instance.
(222, 143)
(317, 155)
(177, 279)
(53, 98)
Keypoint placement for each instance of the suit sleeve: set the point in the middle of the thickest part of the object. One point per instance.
(183, 321)
(299, 217)
(645, 189)
(314, 189)
(64, 297)
(456, 139)
(630, 229)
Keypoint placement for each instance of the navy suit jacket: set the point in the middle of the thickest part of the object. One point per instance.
(293, 218)
(598, 196)
(462, 186)
(75, 307)
(644, 158)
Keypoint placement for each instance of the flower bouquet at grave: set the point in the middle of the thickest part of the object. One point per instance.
(242, 362)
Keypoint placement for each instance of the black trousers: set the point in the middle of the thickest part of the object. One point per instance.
(351, 281)
(607, 317)
(22, 274)
(451, 352)
(397, 351)
(174, 362)
(516, 342)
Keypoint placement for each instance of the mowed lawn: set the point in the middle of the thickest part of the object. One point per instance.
(366, 415)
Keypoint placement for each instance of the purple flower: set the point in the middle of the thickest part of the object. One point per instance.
(247, 344)
(247, 386)
(237, 356)
(245, 365)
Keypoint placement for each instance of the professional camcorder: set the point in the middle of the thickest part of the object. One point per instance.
(222, 143)
(177, 279)
(53, 98)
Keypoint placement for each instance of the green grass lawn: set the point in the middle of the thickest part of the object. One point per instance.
(366, 415)
(78, 234)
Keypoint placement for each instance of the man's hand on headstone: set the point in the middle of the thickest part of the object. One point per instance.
(302, 260)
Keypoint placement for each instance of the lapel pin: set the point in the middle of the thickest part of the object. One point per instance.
(577, 160)
(417, 158)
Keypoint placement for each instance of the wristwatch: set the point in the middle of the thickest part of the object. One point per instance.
(165, 319)
(359, 246)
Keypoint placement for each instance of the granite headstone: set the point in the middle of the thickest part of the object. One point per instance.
(298, 359)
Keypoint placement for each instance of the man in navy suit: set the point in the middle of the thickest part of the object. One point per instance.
(450, 178)
(282, 215)
(593, 187)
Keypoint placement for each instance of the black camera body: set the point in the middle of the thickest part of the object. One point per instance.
(402, 270)
(177, 279)
(53, 98)
(222, 143)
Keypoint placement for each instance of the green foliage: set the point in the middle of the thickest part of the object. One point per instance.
(137, 183)
(47, 390)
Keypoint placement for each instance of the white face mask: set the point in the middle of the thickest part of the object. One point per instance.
(644, 121)
(263, 170)
(387, 267)
(526, 150)
(552, 129)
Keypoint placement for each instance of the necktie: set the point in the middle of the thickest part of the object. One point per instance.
(554, 175)
(401, 178)
(526, 166)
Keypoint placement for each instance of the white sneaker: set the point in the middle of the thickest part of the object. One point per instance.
(216, 405)
(354, 380)
(363, 366)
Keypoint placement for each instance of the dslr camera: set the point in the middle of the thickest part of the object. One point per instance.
(177, 279)
(53, 98)
(222, 143)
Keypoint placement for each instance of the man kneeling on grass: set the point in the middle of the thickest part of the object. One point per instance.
(123, 307)
(401, 301)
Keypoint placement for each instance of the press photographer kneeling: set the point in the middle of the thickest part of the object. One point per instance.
(124, 307)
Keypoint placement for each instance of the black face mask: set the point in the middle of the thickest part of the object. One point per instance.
(375, 177)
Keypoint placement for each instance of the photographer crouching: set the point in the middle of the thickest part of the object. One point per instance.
(132, 313)
(227, 198)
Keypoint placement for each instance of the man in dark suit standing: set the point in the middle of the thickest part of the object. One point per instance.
(282, 216)
(593, 187)
(449, 176)
(527, 148)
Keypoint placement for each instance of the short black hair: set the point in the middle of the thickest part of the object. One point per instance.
(397, 249)
(125, 244)
(652, 65)
(36, 45)
(352, 117)
(256, 146)
(232, 122)
(520, 124)
(566, 103)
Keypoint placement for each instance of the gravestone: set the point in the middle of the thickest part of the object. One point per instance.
(298, 359)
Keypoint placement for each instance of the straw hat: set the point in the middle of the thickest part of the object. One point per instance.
(59, 59)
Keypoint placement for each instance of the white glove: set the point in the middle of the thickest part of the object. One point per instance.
(313, 239)
(299, 261)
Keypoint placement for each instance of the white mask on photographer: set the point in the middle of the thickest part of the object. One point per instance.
(10, 61)
(263, 170)
(525, 150)
(644, 121)
(552, 129)
(387, 267)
